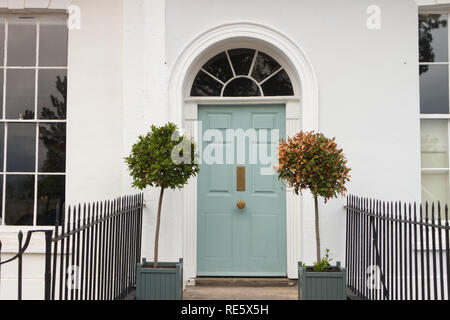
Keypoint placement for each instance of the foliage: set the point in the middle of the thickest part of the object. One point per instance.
(151, 163)
(427, 24)
(312, 161)
(325, 264)
(163, 159)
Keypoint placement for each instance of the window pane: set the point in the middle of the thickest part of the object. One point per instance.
(242, 60)
(1, 199)
(52, 147)
(434, 143)
(242, 87)
(52, 94)
(435, 187)
(1, 92)
(264, 67)
(53, 43)
(21, 147)
(51, 198)
(2, 42)
(22, 42)
(205, 86)
(434, 89)
(2, 147)
(278, 85)
(433, 38)
(219, 67)
(20, 94)
(19, 204)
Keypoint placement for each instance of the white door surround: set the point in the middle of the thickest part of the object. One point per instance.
(301, 114)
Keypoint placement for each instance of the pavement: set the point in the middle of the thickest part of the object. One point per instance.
(242, 289)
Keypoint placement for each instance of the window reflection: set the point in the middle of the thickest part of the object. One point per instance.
(434, 143)
(435, 187)
(242, 60)
(219, 67)
(434, 90)
(52, 95)
(32, 197)
(52, 147)
(433, 37)
(19, 200)
(51, 198)
(278, 85)
(20, 94)
(205, 86)
(2, 42)
(21, 147)
(2, 146)
(242, 87)
(22, 42)
(1, 198)
(53, 43)
(1, 92)
(264, 67)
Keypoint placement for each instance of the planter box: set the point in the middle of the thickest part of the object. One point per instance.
(322, 285)
(164, 283)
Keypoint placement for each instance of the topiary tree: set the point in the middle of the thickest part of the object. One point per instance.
(162, 159)
(312, 161)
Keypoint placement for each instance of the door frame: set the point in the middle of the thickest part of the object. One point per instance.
(302, 112)
(293, 203)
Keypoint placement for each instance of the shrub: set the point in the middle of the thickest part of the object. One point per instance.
(311, 161)
(154, 162)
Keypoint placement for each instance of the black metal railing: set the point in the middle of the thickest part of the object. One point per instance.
(22, 247)
(96, 253)
(92, 253)
(397, 251)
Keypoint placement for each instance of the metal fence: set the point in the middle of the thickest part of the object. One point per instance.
(92, 253)
(22, 247)
(397, 251)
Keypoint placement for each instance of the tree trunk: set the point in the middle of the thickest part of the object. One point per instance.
(158, 225)
(316, 203)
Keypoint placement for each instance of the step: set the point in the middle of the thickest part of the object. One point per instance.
(245, 282)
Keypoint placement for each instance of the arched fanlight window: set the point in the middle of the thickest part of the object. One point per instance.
(242, 73)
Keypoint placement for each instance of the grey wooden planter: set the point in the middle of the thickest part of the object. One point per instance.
(322, 285)
(161, 283)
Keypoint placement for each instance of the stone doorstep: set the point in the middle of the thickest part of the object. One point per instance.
(245, 282)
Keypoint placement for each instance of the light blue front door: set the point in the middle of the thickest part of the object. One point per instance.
(249, 242)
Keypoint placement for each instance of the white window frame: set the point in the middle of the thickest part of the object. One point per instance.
(38, 18)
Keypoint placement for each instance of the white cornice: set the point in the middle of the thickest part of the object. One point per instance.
(432, 2)
(35, 4)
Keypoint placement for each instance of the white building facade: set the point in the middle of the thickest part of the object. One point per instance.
(353, 66)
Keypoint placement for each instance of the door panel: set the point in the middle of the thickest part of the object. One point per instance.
(231, 241)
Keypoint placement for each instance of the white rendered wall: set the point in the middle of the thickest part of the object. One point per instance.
(120, 61)
(95, 92)
(368, 86)
(145, 103)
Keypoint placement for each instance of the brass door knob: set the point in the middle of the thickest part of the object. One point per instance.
(241, 204)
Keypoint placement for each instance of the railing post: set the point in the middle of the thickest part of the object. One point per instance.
(48, 256)
(19, 271)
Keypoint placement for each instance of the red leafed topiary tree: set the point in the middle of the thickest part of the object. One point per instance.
(312, 161)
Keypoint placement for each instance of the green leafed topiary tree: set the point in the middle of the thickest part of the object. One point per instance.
(312, 161)
(162, 159)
